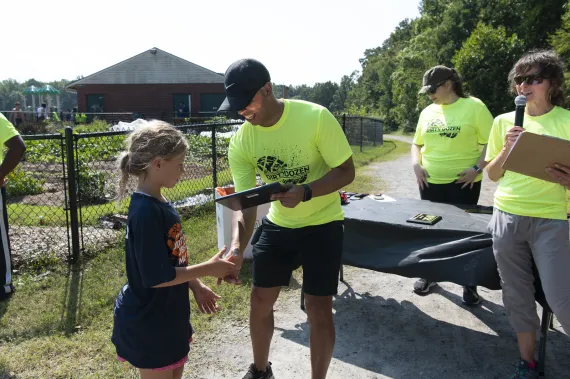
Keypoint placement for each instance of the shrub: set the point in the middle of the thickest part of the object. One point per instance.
(91, 185)
(21, 183)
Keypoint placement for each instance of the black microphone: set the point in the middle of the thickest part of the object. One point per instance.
(520, 104)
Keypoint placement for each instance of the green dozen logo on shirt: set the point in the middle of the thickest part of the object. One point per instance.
(437, 126)
(275, 169)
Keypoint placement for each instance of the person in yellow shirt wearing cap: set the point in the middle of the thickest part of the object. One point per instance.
(448, 151)
(301, 145)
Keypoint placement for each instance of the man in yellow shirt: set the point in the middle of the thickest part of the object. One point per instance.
(302, 145)
(10, 138)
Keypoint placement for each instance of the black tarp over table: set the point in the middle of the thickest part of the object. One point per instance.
(457, 249)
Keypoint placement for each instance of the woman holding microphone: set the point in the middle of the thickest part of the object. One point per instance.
(530, 220)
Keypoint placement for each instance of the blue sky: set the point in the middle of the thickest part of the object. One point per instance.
(300, 42)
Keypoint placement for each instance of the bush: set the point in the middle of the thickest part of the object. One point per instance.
(91, 185)
(21, 183)
(33, 127)
(95, 126)
(43, 151)
(200, 147)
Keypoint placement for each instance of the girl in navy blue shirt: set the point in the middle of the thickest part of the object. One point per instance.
(152, 329)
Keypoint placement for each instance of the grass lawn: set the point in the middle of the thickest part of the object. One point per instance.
(59, 325)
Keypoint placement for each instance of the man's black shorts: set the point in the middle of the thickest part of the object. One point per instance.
(277, 251)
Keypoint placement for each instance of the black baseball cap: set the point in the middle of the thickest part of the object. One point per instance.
(434, 76)
(242, 81)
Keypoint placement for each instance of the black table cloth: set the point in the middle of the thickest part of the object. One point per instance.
(457, 249)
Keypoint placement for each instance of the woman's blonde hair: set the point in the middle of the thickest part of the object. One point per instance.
(157, 139)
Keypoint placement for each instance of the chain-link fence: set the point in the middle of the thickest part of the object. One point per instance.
(362, 132)
(206, 167)
(70, 117)
(62, 199)
(36, 202)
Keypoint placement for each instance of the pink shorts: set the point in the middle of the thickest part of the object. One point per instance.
(173, 366)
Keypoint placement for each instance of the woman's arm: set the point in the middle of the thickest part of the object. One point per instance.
(494, 168)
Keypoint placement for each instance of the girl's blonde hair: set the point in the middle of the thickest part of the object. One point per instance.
(157, 139)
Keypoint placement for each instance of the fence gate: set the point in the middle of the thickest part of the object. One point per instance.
(38, 204)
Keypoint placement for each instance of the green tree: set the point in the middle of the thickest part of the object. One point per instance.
(533, 21)
(484, 62)
(10, 92)
(338, 103)
(560, 41)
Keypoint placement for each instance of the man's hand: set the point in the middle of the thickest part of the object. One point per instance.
(3, 181)
(561, 174)
(292, 197)
(236, 258)
(468, 177)
(205, 298)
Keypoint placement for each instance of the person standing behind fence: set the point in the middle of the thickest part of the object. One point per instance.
(17, 115)
(152, 329)
(41, 112)
(10, 138)
(300, 144)
(446, 152)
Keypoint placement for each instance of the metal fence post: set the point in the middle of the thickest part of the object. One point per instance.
(72, 187)
(344, 123)
(375, 131)
(214, 161)
(361, 134)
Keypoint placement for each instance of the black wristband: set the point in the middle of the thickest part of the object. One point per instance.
(308, 192)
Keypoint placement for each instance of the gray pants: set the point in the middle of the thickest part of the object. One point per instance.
(516, 241)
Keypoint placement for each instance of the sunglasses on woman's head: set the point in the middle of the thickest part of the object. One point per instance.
(529, 79)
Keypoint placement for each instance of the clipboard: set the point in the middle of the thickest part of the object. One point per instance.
(252, 197)
(532, 153)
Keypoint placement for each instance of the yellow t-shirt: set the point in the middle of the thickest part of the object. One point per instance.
(301, 147)
(450, 136)
(7, 130)
(520, 194)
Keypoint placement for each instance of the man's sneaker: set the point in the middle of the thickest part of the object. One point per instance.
(524, 371)
(254, 373)
(422, 286)
(470, 296)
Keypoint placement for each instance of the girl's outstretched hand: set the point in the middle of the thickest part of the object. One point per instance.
(206, 299)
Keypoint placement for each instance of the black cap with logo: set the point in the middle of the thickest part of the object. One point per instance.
(436, 76)
(242, 81)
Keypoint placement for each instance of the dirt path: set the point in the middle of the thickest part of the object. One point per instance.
(383, 329)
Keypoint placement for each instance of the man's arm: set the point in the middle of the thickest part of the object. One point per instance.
(16, 148)
(332, 181)
(243, 223)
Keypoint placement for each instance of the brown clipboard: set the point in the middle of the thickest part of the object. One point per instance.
(533, 153)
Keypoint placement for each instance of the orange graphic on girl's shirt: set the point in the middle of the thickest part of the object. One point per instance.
(177, 244)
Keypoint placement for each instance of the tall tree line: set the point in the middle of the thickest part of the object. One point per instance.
(482, 39)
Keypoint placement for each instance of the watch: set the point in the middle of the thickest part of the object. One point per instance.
(308, 192)
(478, 169)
